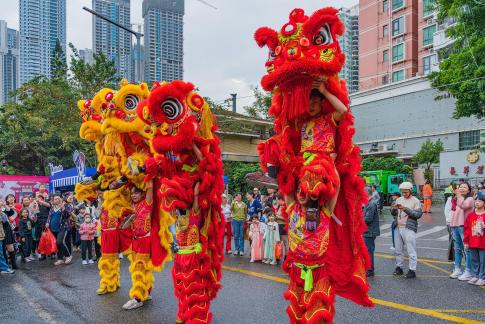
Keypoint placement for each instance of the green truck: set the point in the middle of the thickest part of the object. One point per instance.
(386, 182)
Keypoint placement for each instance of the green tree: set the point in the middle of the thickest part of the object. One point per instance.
(462, 73)
(87, 78)
(429, 154)
(236, 171)
(259, 108)
(43, 125)
(390, 163)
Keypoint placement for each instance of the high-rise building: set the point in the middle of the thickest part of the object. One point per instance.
(111, 40)
(164, 39)
(349, 44)
(42, 25)
(9, 61)
(87, 55)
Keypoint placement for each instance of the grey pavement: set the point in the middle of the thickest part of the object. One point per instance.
(42, 293)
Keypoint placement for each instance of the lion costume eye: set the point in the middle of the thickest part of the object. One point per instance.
(323, 37)
(172, 108)
(271, 55)
(131, 101)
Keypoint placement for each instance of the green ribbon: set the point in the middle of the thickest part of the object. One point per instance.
(307, 274)
(189, 168)
(309, 157)
(197, 248)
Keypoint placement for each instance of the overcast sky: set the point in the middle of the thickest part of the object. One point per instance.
(221, 56)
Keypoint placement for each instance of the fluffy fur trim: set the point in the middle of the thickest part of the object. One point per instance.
(109, 272)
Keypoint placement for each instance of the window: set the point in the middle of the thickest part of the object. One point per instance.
(428, 35)
(428, 7)
(398, 53)
(428, 63)
(384, 31)
(385, 79)
(385, 6)
(398, 26)
(385, 56)
(398, 76)
(468, 140)
(397, 4)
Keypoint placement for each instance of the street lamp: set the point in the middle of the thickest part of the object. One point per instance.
(136, 34)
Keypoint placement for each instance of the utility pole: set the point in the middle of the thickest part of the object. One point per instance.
(234, 99)
(137, 35)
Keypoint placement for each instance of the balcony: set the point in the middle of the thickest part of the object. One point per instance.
(441, 40)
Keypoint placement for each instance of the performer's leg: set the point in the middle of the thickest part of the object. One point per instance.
(141, 277)
(109, 273)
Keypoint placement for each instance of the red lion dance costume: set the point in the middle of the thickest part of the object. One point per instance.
(327, 254)
(187, 162)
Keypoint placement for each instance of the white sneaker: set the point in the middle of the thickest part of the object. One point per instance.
(465, 276)
(473, 280)
(120, 256)
(235, 253)
(228, 252)
(252, 261)
(8, 271)
(28, 259)
(68, 260)
(456, 273)
(90, 261)
(273, 263)
(85, 262)
(241, 253)
(480, 282)
(132, 304)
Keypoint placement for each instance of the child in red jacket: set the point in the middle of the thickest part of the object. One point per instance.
(87, 231)
(474, 240)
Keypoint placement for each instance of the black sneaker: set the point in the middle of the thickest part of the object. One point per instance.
(411, 274)
(369, 273)
(398, 271)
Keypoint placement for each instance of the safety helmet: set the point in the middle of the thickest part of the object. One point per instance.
(406, 186)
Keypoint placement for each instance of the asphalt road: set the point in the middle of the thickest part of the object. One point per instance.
(252, 293)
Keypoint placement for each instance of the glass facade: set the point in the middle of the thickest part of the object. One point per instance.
(428, 7)
(398, 76)
(163, 23)
(428, 33)
(9, 61)
(397, 53)
(349, 43)
(398, 26)
(397, 4)
(468, 140)
(42, 24)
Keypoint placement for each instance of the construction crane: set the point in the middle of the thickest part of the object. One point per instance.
(207, 4)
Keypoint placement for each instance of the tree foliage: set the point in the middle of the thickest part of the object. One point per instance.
(429, 153)
(42, 126)
(462, 73)
(372, 163)
(236, 171)
(259, 108)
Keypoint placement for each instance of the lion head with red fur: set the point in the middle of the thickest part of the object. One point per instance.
(304, 46)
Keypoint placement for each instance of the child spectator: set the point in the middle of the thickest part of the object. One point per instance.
(256, 233)
(474, 240)
(25, 232)
(87, 231)
(4, 268)
(271, 236)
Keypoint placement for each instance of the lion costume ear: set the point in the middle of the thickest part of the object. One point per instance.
(206, 125)
(321, 17)
(80, 104)
(265, 36)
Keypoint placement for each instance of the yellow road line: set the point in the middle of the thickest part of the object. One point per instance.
(435, 267)
(402, 307)
(388, 256)
(463, 311)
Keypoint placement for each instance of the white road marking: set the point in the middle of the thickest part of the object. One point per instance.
(430, 231)
(418, 247)
(41, 312)
(444, 238)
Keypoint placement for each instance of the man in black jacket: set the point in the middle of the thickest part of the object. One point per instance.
(371, 218)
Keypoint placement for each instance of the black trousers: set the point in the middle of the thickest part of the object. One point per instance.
(63, 243)
(97, 248)
(26, 245)
(87, 246)
(370, 243)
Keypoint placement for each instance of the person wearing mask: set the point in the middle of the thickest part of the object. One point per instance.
(226, 210)
(239, 212)
(371, 219)
(406, 211)
(464, 206)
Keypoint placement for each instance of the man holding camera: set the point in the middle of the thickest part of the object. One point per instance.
(406, 211)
